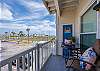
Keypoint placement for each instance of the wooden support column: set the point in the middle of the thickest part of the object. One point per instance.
(98, 25)
(97, 8)
(57, 25)
(97, 44)
(57, 34)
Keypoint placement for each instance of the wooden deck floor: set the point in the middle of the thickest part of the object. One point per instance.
(55, 63)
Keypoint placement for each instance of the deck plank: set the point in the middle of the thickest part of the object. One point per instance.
(55, 63)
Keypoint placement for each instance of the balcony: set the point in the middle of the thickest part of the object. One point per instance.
(41, 57)
(36, 58)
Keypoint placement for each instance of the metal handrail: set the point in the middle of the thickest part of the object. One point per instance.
(27, 52)
(4, 62)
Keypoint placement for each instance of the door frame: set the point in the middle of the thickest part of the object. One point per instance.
(73, 32)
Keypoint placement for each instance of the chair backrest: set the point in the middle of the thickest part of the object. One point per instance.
(76, 52)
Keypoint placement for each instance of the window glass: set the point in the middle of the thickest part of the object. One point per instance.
(87, 40)
(88, 24)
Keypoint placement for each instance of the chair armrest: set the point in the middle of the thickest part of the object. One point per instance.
(74, 58)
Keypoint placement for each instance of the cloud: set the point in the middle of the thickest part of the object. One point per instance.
(37, 19)
(43, 28)
(36, 9)
(13, 26)
(32, 4)
(24, 9)
(5, 13)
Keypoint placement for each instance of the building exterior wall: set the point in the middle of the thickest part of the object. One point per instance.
(73, 16)
(67, 17)
(84, 5)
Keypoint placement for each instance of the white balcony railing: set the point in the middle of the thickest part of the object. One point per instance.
(32, 59)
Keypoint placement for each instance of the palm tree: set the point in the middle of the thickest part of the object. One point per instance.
(13, 34)
(6, 35)
(33, 37)
(21, 34)
(28, 29)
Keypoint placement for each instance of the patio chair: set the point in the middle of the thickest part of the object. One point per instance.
(73, 62)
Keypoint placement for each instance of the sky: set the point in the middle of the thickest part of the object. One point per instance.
(18, 15)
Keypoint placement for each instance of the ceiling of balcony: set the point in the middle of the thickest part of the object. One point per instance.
(62, 4)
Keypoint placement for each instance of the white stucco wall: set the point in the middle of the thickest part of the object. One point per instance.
(73, 16)
(67, 17)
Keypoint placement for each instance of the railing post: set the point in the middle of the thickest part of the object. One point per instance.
(56, 47)
(28, 61)
(32, 60)
(38, 57)
(10, 66)
(23, 62)
(35, 59)
(18, 63)
(51, 47)
(42, 55)
(0, 68)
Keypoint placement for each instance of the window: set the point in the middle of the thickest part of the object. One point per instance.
(88, 28)
(87, 40)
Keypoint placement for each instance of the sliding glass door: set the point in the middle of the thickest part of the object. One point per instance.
(88, 28)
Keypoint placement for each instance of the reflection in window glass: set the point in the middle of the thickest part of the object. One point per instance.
(87, 40)
(88, 24)
(89, 21)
